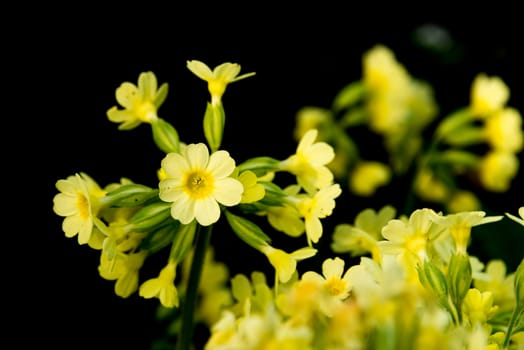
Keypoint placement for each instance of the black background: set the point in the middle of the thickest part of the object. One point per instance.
(64, 69)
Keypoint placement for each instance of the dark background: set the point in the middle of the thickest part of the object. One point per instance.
(64, 71)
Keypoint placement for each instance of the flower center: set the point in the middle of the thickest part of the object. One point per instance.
(199, 184)
(82, 204)
(335, 286)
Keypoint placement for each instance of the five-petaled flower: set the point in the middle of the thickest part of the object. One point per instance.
(218, 78)
(197, 182)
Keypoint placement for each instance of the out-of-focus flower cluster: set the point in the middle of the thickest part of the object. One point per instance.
(413, 284)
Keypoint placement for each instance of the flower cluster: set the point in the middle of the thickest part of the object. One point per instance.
(412, 282)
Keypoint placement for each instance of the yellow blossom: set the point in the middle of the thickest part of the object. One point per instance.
(196, 183)
(503, 130)
(462, 200)
(140, 102)
(478, 306)
(309, 162)
(333, 278)
(285, 264)
(78, 202)
(162, 287)
(316, 207)
(497, 170)
(218, 78)
(367, 176)
(253, 191)
(488, 94)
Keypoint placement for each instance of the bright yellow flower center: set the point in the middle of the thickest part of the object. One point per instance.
(145, 111)
(199, 184)
(82, 205)
(335, 286)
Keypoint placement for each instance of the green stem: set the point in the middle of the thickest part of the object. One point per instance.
(514, 318)
(188, 307)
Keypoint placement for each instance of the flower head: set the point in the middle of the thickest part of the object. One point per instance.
(140, 102)
(309, 162)
(218, 78)
(333, 277)
(162, 287)
(78, 203)
(197, 182)
(488, 94)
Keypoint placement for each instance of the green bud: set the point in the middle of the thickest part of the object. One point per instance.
(247, 231)
(274, 194)
(150, 216)
(459, 277)
(183, 241)
(455, 157)
(214, 121)
(160, 237)
(350, 95)
(130, 195)
(519, 286)
(165, 136)
(259, 165)
(433, 279)
(454, 121)
(465, 136)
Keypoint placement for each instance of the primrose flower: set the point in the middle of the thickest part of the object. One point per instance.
(218, 78)
(497, 169)
(196, 183)
(79, 201)
(333, 278)
(460, 224)
(488, 94)
(309, 162)
(318, 207)
(140, 102)
(284, 263)
(253, 191)
(503, 130)
(162, 287)
(368, 176)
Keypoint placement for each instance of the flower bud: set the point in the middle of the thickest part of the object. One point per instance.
(214, 120)
(150, 216)
(130, 195)
(165, 136)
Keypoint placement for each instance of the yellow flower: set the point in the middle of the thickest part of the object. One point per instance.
(504, 130)
(162, 287)
(218, 78)
(488, 94)
(462, 200)
(368, 176)
(285, 264)
(497, 169)
(140, 102)
(318, 207)
(478, 306)
(79, 202)
(460, 224)
(308, 164)
(333, 278)
(196, 183)
(253, 191)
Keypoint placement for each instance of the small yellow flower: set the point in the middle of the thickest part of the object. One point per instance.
(488, 94)
(79, 202)
(308, 164)
(162, 287)
(218, 78)
(333, 278)
(497, 170)
(316, 207)
(196, 183)
(504, 130)
(253, 191)
(285, 264)
(140, 102)
(368, 176)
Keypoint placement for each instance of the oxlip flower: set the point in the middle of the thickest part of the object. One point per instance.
(197, 183)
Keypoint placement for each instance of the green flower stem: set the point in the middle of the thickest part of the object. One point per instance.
(512, 322)
(188, 308)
